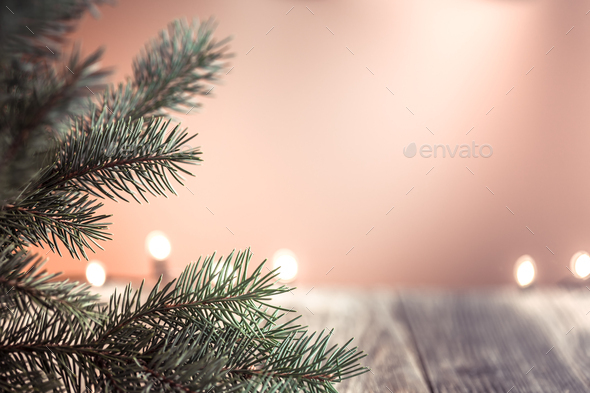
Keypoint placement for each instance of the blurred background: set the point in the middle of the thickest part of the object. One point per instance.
(303, 142)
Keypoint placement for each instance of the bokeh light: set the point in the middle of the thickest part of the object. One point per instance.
(286, 261)
(158, 245)
(525, 271)
(580, 264)
(96, 274)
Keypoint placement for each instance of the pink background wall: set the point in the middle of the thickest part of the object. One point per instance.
(302, 144)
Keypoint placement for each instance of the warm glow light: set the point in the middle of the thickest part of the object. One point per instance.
(95, 274)
(287, 263)
(580, 264)
(158, 245)
(525, 271)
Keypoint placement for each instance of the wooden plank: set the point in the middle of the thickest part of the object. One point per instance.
(377, 322)
(564, 317)
(499, 341)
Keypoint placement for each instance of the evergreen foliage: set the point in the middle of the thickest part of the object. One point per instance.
(69, 139)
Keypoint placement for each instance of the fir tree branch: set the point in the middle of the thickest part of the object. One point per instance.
(67, 216)
(24, 286)
(170, 70)
(36, 113)
(166, 75)
(36, 101)
(213, 292)
(210, 331)
(111, 157)
(152, 345)
(47, 98)
(31, 26)
(121, 157)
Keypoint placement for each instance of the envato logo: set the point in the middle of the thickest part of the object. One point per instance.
(465, 151)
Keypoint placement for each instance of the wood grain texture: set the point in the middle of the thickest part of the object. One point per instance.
(377, 323)
(563, 315)
(501, 341)
(495, 341)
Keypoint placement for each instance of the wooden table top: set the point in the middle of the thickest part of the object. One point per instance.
(502, 340)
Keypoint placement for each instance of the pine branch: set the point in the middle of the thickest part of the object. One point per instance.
(106, 156)
(122, 158)
(189, 336)
(29, 27)
(169, 71)
(166, 75)
(210, 331)
(46, 217)
(24, 286)
(37, 105)
(39, 91)
(219, 291)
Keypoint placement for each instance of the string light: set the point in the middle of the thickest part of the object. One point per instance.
(525, 271)
(96, 274)
(158, 245)
(580, 264)
(286, 261)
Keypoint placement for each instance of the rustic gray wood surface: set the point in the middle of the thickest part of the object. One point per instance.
(479, 341)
